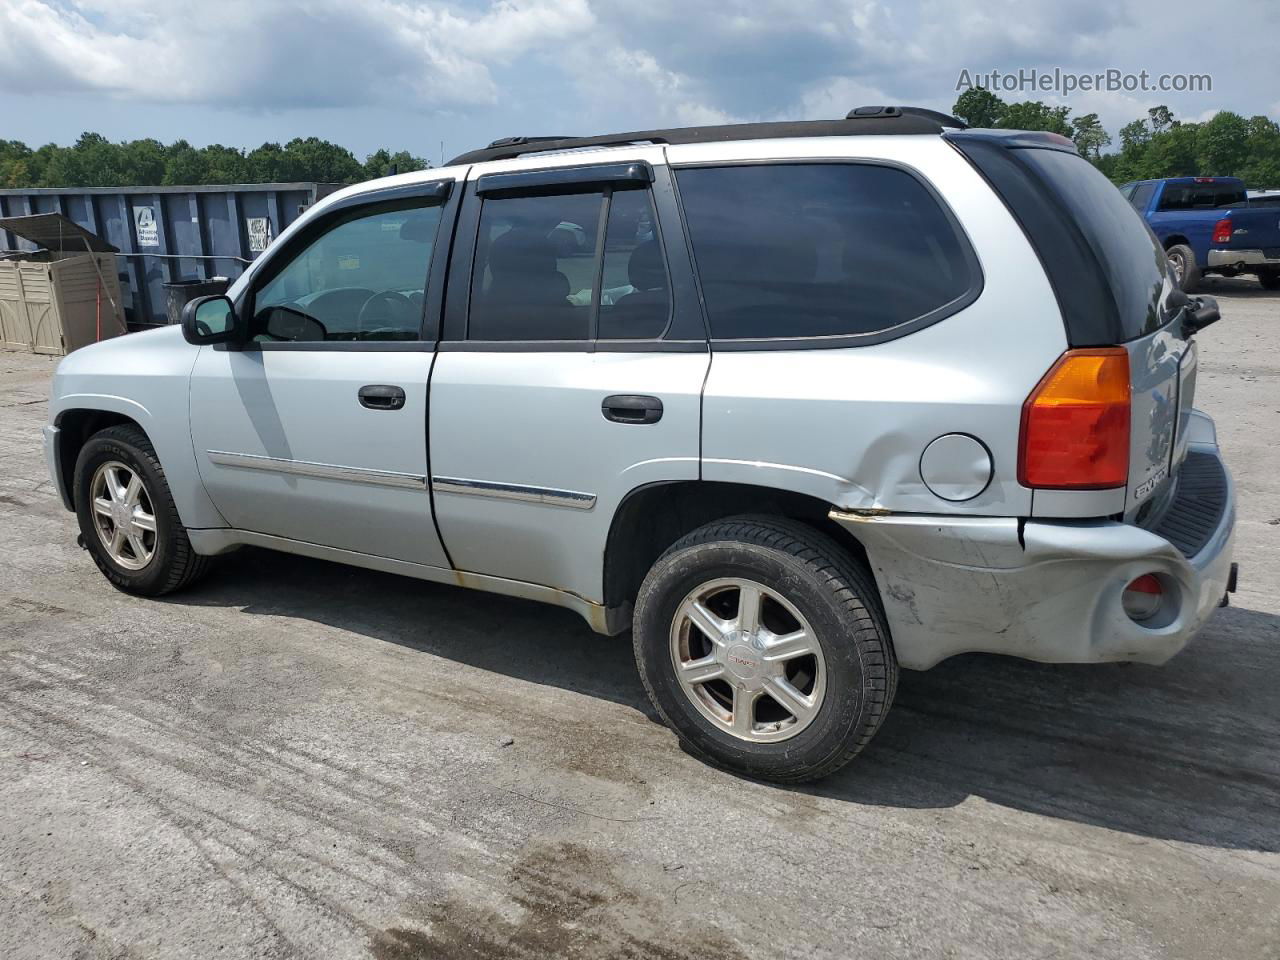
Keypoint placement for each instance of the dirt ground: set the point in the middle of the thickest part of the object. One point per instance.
(297, 759)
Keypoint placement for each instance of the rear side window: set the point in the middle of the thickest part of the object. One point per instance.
(535, 270)
(821, 250)
(1141, 197)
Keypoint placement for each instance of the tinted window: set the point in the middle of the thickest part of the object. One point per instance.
(1200, 196)
(364, 278)
(635, 298)
(535, 268)
(1141, 198)
(813, 250)
(1125, 249)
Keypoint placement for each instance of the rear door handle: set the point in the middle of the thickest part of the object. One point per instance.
(624, 408)
(381, 396)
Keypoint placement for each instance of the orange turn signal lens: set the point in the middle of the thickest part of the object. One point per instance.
(1075, 424)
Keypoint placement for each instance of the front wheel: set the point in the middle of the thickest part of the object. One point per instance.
(128, 521)
(761, 643)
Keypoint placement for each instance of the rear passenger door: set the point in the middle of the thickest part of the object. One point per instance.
(571, 365)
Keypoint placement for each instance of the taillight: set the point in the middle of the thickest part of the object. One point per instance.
(1075, 424)
(1222, 231)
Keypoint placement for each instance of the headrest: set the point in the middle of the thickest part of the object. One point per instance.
(645, 269)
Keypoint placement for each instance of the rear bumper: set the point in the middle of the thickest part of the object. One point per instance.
(1050, 590)
(1246, 258)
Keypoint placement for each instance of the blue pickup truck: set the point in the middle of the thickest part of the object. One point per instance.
(1208, 225)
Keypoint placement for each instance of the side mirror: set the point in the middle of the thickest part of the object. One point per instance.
(209, 320)
(1205, 313)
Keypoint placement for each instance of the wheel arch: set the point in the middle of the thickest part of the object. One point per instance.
(78, 417)
(1175, 239)
(654, 516)
(75, 426)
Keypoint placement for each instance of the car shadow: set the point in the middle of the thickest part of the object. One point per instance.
(1189, 751)
(1242, 287)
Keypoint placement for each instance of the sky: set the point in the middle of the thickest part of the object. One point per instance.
(411, 74)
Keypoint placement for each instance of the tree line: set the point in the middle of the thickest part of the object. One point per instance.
(1154, 146)
(1157, 145)
(95, 161)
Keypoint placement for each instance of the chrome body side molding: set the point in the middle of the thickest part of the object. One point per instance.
(514, 491)
(321, 471)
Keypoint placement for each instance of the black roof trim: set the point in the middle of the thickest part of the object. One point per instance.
(1017, 139)
(885, 120)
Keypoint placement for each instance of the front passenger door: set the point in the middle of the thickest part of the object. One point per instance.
(315, 428)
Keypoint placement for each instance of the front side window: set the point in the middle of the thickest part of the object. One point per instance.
(362, 279)
(820, 250)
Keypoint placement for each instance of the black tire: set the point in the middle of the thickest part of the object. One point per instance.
(1183, 255)
(834, 593)
(1270, 280)
(174, 564)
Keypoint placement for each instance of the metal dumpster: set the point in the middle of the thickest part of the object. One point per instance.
(63, 295)
(168, 234)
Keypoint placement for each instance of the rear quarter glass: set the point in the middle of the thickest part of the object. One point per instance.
(1106, 267)
(821, 250)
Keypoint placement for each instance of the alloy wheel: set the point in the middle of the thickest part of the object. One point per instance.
(123, 515)
(748, 660)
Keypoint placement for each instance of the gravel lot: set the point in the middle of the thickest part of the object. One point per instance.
(300, 759)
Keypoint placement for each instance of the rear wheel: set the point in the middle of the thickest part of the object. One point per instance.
(128, 521)
(761, 643)
(1270, 280)
(1182, 261)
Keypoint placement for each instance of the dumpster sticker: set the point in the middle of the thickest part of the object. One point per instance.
(259, 230)
(144, 222)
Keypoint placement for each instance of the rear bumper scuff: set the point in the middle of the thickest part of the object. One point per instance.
(1050, 591)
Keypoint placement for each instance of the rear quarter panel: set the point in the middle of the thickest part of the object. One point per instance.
(848, 425)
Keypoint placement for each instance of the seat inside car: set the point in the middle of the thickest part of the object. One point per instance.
(527, 292)
(643, 313)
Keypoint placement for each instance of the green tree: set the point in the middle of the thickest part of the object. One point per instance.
(223, 164)
(264, 163)
(979, 107)
(1222, 144)
(1161, 118)
(382, 163)
(1262, 168)
(1172, 153)
(142, 162)
(322, 161)
(1089, 136)
(1035, 115)
(183, 164)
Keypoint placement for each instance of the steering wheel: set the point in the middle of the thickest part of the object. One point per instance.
(396, 310)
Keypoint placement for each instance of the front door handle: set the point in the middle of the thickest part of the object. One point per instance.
(624, 408)
(381, 396)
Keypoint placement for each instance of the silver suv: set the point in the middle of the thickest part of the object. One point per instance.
(797, 403)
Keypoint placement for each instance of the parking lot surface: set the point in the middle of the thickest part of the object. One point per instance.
(299, 759)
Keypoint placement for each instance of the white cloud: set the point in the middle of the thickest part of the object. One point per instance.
(592, 65)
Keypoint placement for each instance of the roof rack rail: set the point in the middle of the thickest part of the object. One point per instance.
(860, 120)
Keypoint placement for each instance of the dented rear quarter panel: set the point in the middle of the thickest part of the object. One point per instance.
(849, 424)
